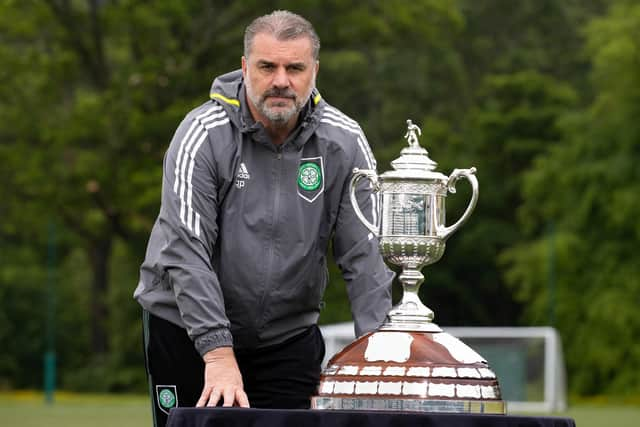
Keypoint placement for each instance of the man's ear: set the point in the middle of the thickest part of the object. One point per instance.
(243, 62)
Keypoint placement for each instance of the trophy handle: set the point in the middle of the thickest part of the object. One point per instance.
(371, 176)
(469, 174)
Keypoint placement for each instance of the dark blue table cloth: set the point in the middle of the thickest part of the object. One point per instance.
(239, 417)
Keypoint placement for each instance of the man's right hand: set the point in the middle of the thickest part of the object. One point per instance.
(222, 380)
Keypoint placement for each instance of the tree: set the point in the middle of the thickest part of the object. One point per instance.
(588, 185)
(105, 84)
(514, 121)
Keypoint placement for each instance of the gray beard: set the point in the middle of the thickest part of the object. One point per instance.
(281, 117)
(278, 118)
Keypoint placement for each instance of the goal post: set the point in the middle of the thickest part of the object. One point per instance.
(537, 351)
(528, 361)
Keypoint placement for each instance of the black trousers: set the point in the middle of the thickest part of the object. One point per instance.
(282, 376)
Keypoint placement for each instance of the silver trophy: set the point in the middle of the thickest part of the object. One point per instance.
(409, 363)
(412, 230)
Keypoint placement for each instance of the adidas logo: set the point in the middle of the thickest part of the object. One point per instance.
(243, 173)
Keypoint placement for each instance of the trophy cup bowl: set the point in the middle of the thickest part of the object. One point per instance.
(412, 232)
(409, 363)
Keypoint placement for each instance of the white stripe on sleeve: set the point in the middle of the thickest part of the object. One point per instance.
(189, 146)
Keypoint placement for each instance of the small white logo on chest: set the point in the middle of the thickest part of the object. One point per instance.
(243, 174)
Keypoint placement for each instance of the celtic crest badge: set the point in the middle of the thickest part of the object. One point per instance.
(167, 397)
(310, 178)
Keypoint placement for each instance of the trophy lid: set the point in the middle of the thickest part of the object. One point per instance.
(414, 161)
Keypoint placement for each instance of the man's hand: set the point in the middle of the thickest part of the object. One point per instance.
(222, 380)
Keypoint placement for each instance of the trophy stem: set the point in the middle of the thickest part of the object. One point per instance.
(410, 314)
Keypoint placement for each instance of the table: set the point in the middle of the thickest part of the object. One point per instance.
(243, 417)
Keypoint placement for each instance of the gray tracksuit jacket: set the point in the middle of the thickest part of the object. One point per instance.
(237, 255)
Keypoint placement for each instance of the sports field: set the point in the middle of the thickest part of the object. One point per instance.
(27, 409)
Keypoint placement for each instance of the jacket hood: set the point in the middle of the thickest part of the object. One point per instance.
(228, 90)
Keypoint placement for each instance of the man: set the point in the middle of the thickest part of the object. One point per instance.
(256, 185)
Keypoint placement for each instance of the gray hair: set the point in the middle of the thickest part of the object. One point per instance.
(283, 25)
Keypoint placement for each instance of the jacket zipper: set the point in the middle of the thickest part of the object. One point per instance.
(271, 249)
